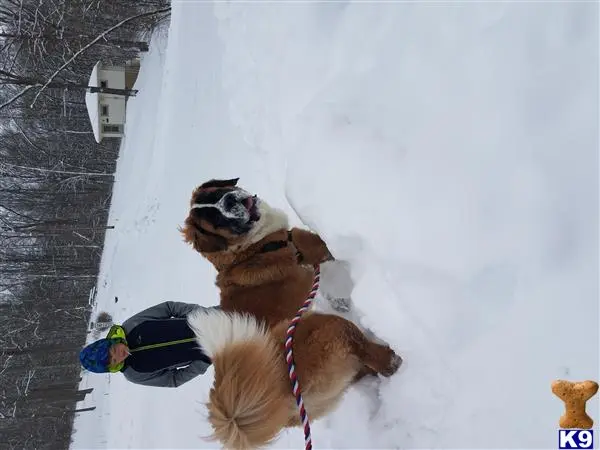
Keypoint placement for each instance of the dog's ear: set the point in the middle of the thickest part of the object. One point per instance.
(219, 183)
(202, 241)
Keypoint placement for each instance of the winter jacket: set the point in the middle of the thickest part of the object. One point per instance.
(164, 352)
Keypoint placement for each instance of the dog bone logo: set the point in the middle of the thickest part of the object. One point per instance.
(575, 394)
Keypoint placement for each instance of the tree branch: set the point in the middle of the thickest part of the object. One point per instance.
(67, 172)
(17, 96)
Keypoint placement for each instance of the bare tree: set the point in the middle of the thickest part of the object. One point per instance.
(55, 192)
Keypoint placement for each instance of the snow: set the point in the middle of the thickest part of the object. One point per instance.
(448, 155)
(91, 103)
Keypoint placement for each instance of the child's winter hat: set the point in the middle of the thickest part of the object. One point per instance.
(95, 357)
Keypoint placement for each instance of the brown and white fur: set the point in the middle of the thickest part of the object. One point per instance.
(230, 228)
(251, 400)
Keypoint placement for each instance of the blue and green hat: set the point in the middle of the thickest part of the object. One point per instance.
(95, 357)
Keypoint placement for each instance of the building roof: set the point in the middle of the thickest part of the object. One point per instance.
(92, 103)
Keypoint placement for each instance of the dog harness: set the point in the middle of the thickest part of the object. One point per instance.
(273, 246)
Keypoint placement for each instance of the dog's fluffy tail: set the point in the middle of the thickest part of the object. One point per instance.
(248, 403)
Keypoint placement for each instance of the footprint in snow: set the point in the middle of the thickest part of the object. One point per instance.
(143, 223)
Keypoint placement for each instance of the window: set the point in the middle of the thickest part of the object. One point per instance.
(104, 84)
(111, 128)
(104, 110)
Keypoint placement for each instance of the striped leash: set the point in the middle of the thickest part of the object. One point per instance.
(289, 357)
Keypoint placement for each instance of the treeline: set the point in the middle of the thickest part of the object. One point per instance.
(55, 192)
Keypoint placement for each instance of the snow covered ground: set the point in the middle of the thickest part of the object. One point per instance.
(448, 153)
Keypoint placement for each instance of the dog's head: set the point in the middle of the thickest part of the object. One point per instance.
(221, 215)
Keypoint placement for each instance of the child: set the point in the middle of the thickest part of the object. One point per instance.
(150, 348)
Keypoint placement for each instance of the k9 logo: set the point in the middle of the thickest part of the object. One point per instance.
(575, 439)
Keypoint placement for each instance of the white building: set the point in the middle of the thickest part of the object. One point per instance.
(107, 110)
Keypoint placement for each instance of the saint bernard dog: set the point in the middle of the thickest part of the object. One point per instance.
(264, 274)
